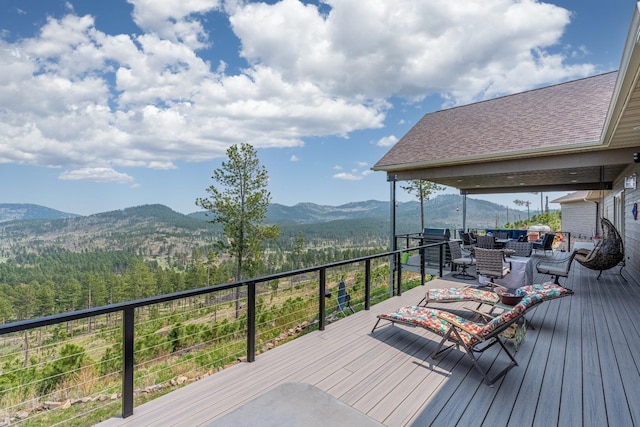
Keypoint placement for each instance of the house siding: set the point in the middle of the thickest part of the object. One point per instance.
(631, 226)
(579, 218)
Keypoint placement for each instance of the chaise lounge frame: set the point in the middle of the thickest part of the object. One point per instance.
(474, 337)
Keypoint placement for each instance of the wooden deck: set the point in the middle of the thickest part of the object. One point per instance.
(579, 366)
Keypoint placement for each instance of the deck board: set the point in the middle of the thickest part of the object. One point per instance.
(580, 365)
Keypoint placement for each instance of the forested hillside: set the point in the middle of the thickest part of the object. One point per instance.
(156, 232)
(83, 261)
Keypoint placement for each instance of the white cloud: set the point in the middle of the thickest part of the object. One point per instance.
(356, 174)
(387, 141)
(347, 176)
(174, 20)
(97, 175)
(467, 49)
(294, 158)
(73, 96)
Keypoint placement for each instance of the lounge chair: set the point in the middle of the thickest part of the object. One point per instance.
(547, 291)
(474, 337)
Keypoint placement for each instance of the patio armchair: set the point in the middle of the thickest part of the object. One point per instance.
(545, 244)
(523, 249)
(491, 263)
(467, 241)
(461, 258)
(486, 242)
(474, 337)
(556, 267)
(608, 253)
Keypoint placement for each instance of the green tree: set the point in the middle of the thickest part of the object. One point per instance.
(422, 189)
(240, 204)
(297, 250)
(46, 298)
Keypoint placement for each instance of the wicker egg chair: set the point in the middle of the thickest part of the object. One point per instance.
(608, 253)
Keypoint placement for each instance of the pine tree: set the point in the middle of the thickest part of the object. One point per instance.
(240, 202)
(422, 189)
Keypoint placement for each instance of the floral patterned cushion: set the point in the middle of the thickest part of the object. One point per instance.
(428, 318)
(548, 290)
(462, 294)
(525, 303)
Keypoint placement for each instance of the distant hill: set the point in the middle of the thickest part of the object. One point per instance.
(157, 231)
(149, 230)
(26, 211)
(444, 211)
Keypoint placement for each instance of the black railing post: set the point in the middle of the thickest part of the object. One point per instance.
(322, 309)
(441, 259)
(128, 322)
(399, 278)
(367, 284)
(251, 321)
(422, 263)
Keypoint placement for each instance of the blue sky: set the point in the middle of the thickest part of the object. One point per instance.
(112, 104)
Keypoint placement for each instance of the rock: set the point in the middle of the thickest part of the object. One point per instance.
(52, 405)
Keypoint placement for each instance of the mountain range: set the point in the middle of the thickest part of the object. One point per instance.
(157, 231)
(441, 211)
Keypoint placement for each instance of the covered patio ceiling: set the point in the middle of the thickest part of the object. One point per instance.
(573, 136)
(569, 172)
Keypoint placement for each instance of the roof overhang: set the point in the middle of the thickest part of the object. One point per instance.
(586, 170)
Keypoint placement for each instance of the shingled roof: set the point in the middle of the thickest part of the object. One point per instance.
(556, 118)
(576, 196)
